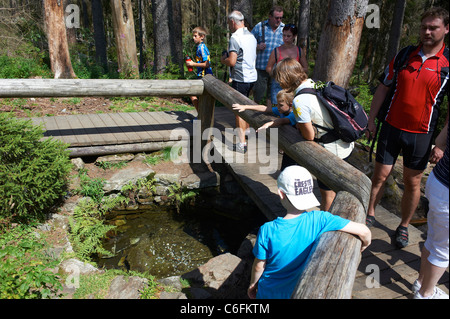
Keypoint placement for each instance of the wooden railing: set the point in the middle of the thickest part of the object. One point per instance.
(332, 265)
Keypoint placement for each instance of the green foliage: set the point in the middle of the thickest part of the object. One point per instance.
(20, 67)
(179, 196)
(109, 165)
(24, 270)
(96, 286)
(91, 187)
(87, 227)
(33, 171)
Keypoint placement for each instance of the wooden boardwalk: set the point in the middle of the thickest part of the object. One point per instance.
(393, 269)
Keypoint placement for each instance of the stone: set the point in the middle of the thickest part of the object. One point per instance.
(126, 176)
(173, 281)
(167, 179)
(116, 158)
(172, 295)
(78, 163)
(224, 274)
(126, 287)
(76, 267)
(201, 180)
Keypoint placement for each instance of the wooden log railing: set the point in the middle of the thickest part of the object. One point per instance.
(332, 264)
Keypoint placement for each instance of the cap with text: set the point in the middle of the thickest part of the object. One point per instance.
(297, 183)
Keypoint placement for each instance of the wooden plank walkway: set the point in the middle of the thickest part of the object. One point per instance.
(89, 130)
(395, 270)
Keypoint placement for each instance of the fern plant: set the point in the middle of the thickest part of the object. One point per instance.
(87, 227)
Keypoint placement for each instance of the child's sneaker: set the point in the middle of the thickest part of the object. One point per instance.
(437, 294)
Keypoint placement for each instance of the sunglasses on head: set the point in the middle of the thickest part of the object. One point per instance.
(290, 27)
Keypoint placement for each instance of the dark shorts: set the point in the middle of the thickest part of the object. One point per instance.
(415, 147)
(242, 87)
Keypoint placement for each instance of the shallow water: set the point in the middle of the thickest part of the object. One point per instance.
(165, 243)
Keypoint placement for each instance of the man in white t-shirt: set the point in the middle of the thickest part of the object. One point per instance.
(241, 57)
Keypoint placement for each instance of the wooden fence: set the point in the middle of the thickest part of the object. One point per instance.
(333, 262)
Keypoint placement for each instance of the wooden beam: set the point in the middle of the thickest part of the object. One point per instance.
(330, 169)
(331, 268)
(206, 105)
(333, 262)
(121, 148)
(22, 88)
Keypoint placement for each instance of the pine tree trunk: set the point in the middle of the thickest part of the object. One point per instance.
(339, 43)
(57, 40)
(396, 29)
(161, 34)
(124, 33)
(99, 33)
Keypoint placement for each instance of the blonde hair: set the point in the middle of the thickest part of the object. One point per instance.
(289, 74)
(200, 31)
(285, 96)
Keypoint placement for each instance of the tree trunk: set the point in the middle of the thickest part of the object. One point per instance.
(176, 35)
(339, 43)
(99, 33)
(161, 34)
(57, 40)
(123, 22)
(303, 28)
(245, 7)
(167, 34)
(396, 29)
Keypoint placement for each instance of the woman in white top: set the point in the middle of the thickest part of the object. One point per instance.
(308, 110)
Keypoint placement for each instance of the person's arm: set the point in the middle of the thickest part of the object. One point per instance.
(377, 102)
(203, 65)
(360, 230)
(229, 60)
(257, 270)
(307, 130)
(440, 143)
(271, 62)
(258, 107)
(275, 123)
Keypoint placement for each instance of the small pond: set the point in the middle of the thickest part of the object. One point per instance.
(164, 242)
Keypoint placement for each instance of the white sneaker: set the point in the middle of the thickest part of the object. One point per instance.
(438, 294)
(416, 287)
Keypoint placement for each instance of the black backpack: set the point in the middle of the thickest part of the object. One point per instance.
(348, 116)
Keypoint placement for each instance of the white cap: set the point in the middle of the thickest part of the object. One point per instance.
(297, 183)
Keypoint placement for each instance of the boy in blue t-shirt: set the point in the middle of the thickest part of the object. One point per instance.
(202, 58)
(284, 244)
(283, 110)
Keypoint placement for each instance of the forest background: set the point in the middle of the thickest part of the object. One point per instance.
(160, 31)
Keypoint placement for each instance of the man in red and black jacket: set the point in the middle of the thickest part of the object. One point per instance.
(415, 89)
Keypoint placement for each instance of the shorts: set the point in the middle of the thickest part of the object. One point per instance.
(415, 147)
(262, 86)
(437, 219)
(242, 87)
